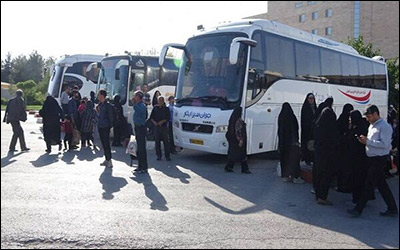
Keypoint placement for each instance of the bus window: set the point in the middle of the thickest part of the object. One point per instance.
(280, 58)
(78, 68)
(366, 73)
(136, 84)
(350, 73)
(330, 66)
(307, 60)
(55, 82)
(379, 76)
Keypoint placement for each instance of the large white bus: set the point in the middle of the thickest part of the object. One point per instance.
(123, 75)
(71, 71)
(259, 65)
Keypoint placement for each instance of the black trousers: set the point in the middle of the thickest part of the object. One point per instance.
(376, 179)
(140, 133)
(171, 137)
(161, 134)
(230, 164)
(18, 133)
(65, 108)
(104, 134)
(68, 139)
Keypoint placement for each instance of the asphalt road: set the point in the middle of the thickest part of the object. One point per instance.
(67, 200)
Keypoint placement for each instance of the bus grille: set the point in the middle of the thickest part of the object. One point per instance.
(197, 128)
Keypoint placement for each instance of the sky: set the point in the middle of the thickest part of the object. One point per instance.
(59, 28)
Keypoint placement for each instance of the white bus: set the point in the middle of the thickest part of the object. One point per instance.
(123, 75)
(71, 71)
(259, 65)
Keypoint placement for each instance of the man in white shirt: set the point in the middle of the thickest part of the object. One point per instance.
(378, 145)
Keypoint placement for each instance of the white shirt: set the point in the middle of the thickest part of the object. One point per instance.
(379, 141)
(64, 99)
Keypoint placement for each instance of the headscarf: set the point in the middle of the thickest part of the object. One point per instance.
(306, 104)
(155, 98)
(51, 108)
(356, 118)
(308, 112)
(288, 127)
(343, 121)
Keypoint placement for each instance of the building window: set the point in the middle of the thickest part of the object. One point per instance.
(328, 13)
(302, 18)
(356, 19)
(311, 2)
(299, 5)
(315, 15)
(315, 32)
(328, 31)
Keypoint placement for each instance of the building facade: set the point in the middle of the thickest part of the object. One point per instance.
(376, 21)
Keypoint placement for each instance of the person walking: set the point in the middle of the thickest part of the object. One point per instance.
(326, 145)
(16, 112)
(87, 124)
(344, 178)
(64, 99)
(160, 117)
(171, 104)
(104, 124)
(52, 114)
(237, 140)
(378, 146)
(308, 112)
(289, 150)
(139, 120)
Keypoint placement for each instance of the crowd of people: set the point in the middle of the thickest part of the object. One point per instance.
(355, 150)
(358, 151)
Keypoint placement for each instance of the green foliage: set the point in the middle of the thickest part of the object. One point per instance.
(27, 68)
(3, 101)
(393, 72)
(6, 68)
(362, 48)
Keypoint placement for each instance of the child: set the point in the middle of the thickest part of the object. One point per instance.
(88, 122)
(81, 107)
(67, 124)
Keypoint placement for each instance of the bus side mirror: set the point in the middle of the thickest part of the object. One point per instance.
(235, 46)
(92, 72)
(164, 51)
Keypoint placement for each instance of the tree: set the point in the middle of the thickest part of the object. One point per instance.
(362, 48)
(19, 72)
(6, 67)
(28, 87)
(28, 68)
(393, 72)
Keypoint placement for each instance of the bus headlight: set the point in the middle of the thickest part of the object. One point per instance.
(176, 124)
(222, 129)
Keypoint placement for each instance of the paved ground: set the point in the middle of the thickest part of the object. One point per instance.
(69, 201)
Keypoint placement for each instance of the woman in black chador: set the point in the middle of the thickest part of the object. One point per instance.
(289, 150)
(344, 179)
(308, 112)
(326, 146)
(237, 139)
(51, 113)
(358, 159)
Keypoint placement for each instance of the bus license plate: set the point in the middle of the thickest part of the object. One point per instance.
(198, 142)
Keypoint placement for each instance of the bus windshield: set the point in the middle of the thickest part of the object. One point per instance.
(114, 77)
(206, 73)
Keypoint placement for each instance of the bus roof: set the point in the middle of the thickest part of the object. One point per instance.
(248, 26)
(69, 60)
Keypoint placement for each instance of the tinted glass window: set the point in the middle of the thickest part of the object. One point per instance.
(256, 69)
(280, 57)
(78, 68)
(379, 76)
(330, 65)
(366, 73)
(307, 60)
(350, 73)
(71, 81)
